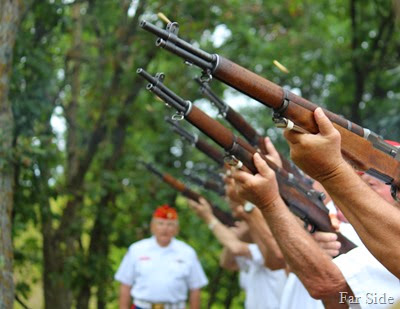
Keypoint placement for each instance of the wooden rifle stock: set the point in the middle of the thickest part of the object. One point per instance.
(247, 131)
(223, 216)
(304, 203)
(210, 151)
(355, 147)
(199, 143)
(363, 148)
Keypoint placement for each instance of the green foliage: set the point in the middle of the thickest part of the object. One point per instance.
(74, 82)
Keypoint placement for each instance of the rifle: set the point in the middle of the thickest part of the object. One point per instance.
(199, 143)
(306, 204)
(247, 131)
(206, 149)
(206, 184)
(363, 148)
(223, 216)
(210, 170)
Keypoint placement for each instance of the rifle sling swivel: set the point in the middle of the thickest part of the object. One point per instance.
(278, 112)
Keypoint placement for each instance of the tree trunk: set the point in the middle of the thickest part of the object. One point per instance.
(9, 21)
(98, 253)
(214, 286)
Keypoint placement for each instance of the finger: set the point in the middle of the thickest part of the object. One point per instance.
(240, 177)
(261, 165)
(325, 237)
(203, 201)
(292, 136)
(331, 245)
(270, 147)
(332, 253)
(324, 124)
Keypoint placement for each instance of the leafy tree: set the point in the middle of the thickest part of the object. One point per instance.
(82, 120)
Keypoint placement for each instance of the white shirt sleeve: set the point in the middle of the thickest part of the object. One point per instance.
(256, 255)
(197, 278)
(126, 271)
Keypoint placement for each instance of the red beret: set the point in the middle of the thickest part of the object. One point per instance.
(165, 212)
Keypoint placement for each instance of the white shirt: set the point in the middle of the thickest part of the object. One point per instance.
(161, 274)
(263, 286)
(296, 296)
(347, 230)
(372, 284)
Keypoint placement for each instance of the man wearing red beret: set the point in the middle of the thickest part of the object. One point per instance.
(160, 271)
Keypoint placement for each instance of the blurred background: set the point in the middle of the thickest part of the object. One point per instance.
(82, 120)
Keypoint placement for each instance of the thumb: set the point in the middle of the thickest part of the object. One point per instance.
(262, 166)
(324, 124)
(202, 200)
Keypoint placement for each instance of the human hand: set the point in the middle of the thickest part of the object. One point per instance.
(202, 209)
(273, 154)
(260, 189)
(318, 155)
(231, 192)
(327, 242)
(240, 228)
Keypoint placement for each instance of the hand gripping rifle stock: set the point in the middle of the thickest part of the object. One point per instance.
(302, 202)
(363, 148)
(223, 216)
(199, 143)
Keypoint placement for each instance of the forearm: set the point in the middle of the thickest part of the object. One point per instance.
(227, 260)
(321, 277)
(194, 299)
(227, 238)
(124, 296)
(262, 236)
(375, 220)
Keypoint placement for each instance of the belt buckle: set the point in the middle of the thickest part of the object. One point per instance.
(157, 306)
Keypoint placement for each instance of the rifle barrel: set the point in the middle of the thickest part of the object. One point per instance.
(305, 205)
(368, 152)
(225, 217)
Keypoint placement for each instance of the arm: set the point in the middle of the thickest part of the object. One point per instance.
(375, 220)
(227, 260)
(124, 296)
(321, 277)
(262, 236)
(258, 228)
(194, 299)
(224, 235)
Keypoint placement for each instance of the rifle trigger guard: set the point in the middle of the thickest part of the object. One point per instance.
(308, 224)
(394, 190)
